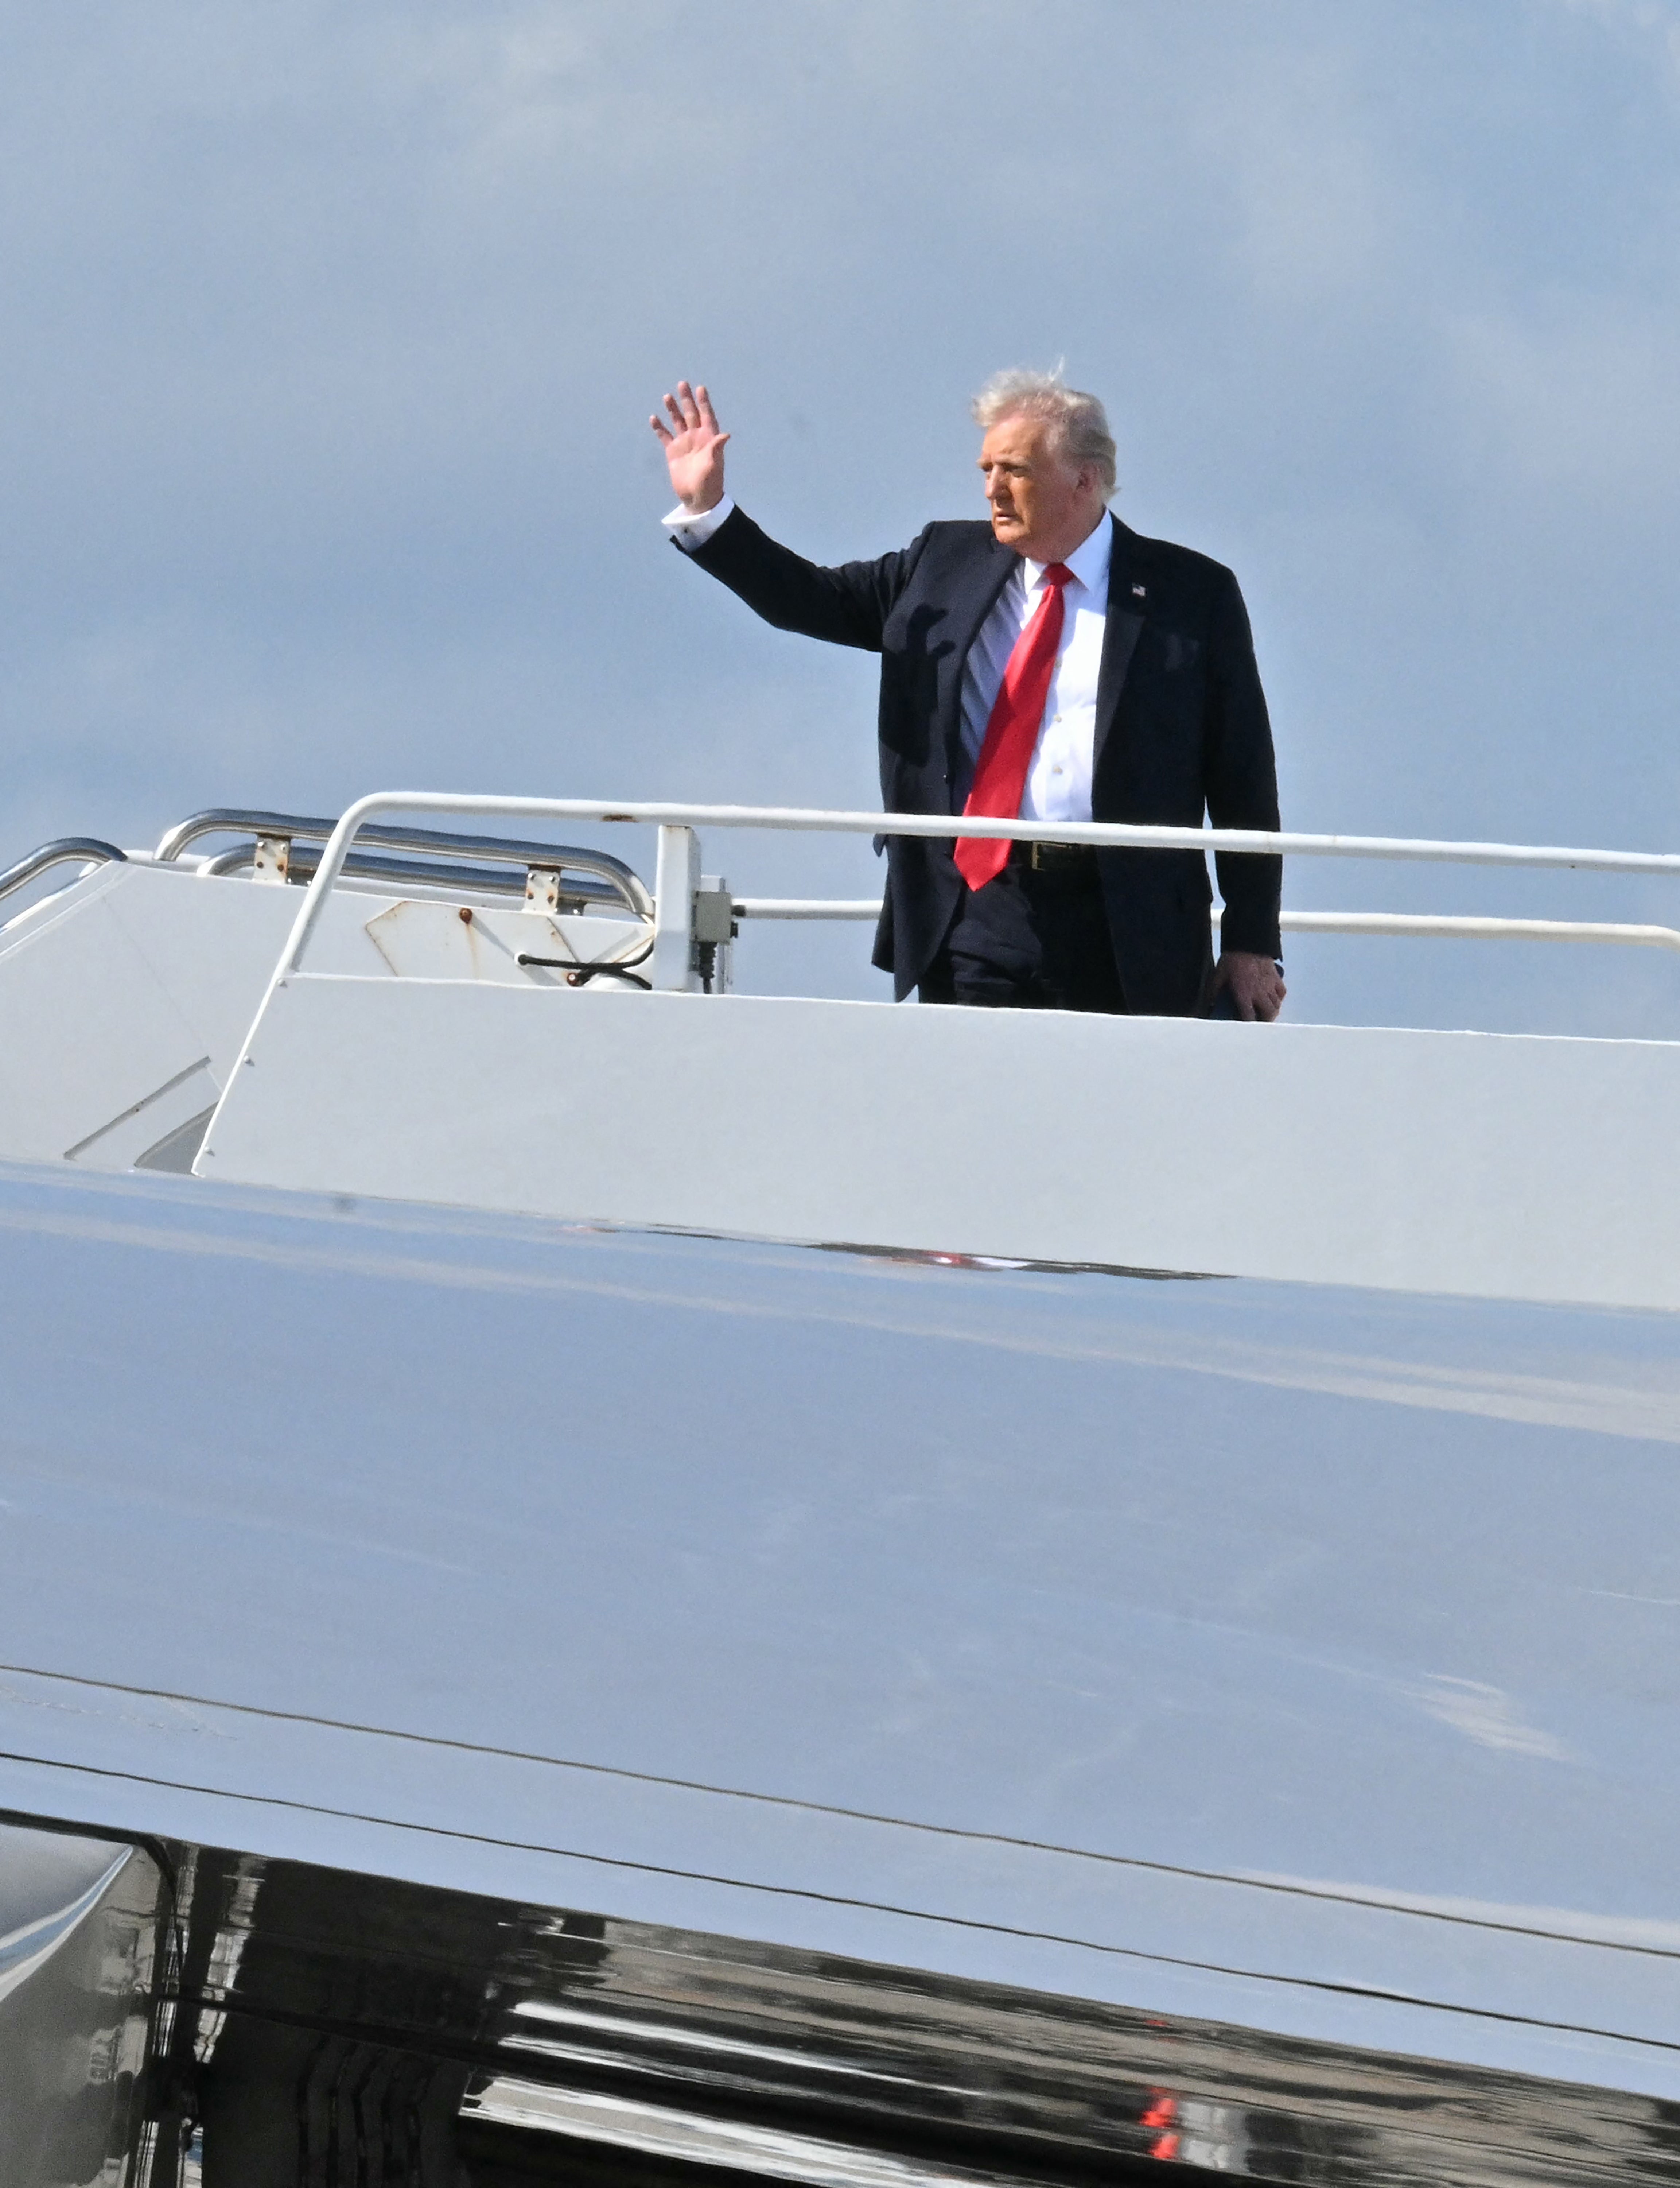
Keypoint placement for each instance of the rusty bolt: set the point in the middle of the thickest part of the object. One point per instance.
(466, 915)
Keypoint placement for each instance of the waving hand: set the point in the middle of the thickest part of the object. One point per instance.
(694, 447)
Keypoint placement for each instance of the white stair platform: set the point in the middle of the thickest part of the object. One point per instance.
(1501, 1166)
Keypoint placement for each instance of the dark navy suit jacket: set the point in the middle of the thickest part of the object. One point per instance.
(1181, 728)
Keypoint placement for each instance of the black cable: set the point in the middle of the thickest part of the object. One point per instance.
(578, 974)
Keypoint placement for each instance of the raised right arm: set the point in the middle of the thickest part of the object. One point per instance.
(847, 606)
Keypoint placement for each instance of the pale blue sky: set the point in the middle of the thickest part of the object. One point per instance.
(330, 336)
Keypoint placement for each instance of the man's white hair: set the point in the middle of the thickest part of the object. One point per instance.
(1081, 424)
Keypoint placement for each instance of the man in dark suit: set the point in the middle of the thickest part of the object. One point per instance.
(1051, 665)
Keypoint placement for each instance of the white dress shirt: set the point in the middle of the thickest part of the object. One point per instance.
(692, 532)
(1058, 781)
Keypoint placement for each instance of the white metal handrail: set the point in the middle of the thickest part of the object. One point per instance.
(807, 907)
(1449, 925)
(1475, 928)
(678, 856)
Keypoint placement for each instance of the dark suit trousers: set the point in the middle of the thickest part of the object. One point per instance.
(1031, 940)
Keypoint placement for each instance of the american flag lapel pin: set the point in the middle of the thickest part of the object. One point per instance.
(1137, 592)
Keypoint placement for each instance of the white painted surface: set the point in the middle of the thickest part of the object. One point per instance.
(89, 1028)
(1501, 1166)
(125, 998)
(677, 877)
(422, 940)
(134, 1138)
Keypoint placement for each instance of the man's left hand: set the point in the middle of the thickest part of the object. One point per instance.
(1256, 984)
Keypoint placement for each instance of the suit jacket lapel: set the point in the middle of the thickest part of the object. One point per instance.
(967, 612)
(1128, 604)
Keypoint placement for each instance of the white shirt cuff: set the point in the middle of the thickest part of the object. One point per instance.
(691, 532)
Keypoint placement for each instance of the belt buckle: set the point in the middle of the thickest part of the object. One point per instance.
(1047, 857)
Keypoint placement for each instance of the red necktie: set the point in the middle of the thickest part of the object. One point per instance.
(1012, 732)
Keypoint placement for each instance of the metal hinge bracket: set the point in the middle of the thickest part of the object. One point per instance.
(271, 859)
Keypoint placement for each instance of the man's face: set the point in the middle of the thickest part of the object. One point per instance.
(1042, 506)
